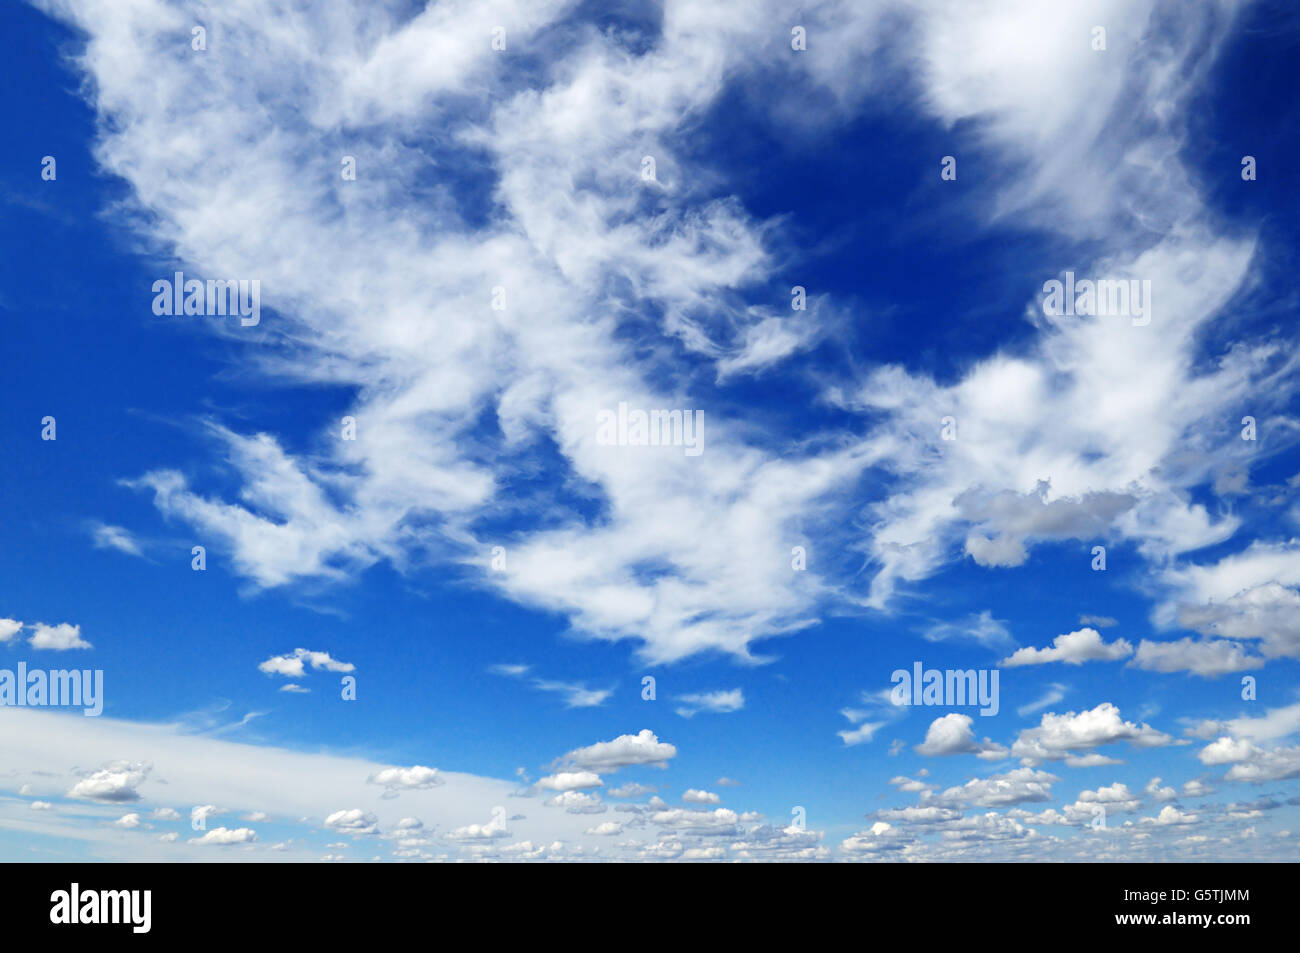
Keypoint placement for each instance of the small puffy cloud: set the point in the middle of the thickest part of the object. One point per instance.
(354, 821)
(9, 628)
(570, 781)
(954, 734)
(169, 837)
(256, 817)
(606, 829)
(1073, 648)
(128, 821)
(1057, 737)
(1114, 797)
(1250, 762)
(295, 689)
(1204, 657)
(42, 806)
(409, 824)
(166, 814)
(880, 838)
(492, 830)
(291, 666)
(718, 702)
(917, 814)
(1170, 815)
(59, 638)
(720, 821)
(643, 748)
(114, 783)
(415, 778)
(696, 796)
(1154, 791)
(576, 802)
(1019, 786)
(225, 837)
(910, 785)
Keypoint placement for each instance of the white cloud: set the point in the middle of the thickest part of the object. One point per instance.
(641, 748)
(353, 821)
(116, 782)
(954, 734)
(696, 796)
(1203, 657)
(575, 695)
(1018, 786)
(571, 781)
(1055, 692)
(719, 702)
(981, 628)
(1059, 736)
(415, 778)
(1073, 648)
(115, 537)
(59, 637)
(577, 802)
(225, 837)
(291, 666)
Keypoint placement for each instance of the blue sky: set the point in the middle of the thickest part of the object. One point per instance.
(505, 702)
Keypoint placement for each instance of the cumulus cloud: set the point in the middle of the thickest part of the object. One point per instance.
(59, 637)
(954, 734)
(415, 778)
(1059, 736)
(643, 748)
(225, 837)
(1070, 434)
(353, 821)
(1251, 762)
(1073, 648)
(115, 782)
(291, 666)
(1018, 786)
(571, 781)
